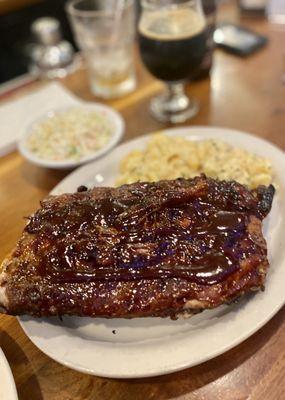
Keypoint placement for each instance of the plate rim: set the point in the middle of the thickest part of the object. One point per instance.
(12, 391)
(170, 370)
(176, 366)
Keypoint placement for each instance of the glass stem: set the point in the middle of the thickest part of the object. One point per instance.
(176, 97)
(173, 105)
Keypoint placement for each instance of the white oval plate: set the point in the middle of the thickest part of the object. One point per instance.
(114, 117)
(154, 346)
(7, 385)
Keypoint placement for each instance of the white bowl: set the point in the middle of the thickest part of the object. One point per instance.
(111, 114)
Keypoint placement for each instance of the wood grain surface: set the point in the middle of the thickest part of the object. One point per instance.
(245, 94)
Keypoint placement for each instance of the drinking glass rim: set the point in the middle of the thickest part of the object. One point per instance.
(147, 5)
(69, 7)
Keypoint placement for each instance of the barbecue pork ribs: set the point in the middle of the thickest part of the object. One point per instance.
(169, 248)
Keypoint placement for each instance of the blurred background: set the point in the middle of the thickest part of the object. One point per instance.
(17, 42)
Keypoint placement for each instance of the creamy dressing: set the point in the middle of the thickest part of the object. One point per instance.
(70, 135)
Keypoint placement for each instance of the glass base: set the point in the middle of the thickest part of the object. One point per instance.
(175, 108)
(111, 90)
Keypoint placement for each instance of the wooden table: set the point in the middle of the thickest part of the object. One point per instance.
(242, 94)
(7, 6)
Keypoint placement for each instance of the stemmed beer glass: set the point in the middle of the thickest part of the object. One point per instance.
(172, 42)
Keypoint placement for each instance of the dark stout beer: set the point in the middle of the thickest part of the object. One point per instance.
(172, 43)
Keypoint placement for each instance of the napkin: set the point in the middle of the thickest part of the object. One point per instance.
(16, 115)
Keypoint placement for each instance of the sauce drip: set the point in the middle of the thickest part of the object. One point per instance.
(125, 239)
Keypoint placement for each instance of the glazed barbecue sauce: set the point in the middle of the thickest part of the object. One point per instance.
(87, 240)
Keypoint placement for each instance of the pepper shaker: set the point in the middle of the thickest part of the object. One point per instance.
(52, 56)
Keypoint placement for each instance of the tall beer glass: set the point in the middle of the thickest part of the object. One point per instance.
(172, 42)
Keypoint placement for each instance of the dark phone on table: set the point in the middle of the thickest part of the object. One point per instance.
(238, 40)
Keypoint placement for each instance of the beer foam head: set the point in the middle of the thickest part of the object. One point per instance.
(171, 23)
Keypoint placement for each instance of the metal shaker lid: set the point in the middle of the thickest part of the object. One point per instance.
(47, 30)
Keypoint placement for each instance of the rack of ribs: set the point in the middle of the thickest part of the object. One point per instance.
(171, 248)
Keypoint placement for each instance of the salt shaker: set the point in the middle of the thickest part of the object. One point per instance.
(52, 57)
